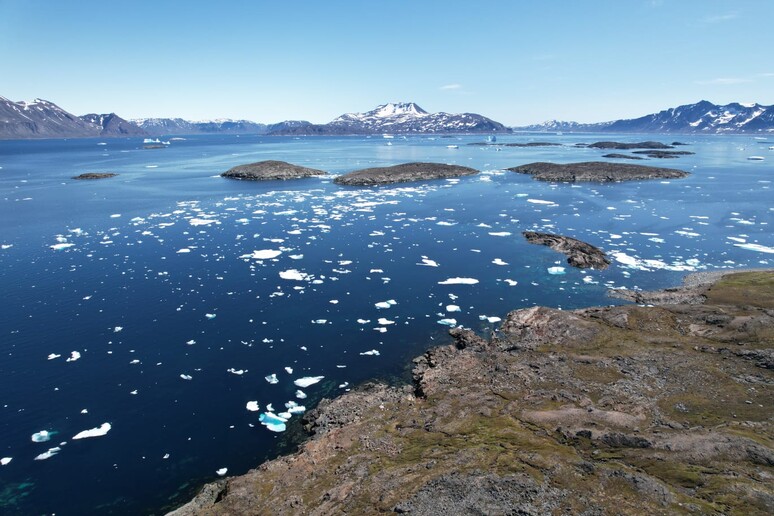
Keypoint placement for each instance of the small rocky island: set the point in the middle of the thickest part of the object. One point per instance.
(598, 171)
(95, 175)
(579, 254)
(271, 170)
(403, 173)
(614, 410)
(627, 146)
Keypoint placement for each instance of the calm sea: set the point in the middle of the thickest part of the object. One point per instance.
(151, 311)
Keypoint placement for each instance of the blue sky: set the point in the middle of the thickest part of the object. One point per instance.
(515, 61)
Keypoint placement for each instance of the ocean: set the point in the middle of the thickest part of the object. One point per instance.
(167, 326)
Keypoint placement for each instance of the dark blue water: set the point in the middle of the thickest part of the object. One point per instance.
(165, 246)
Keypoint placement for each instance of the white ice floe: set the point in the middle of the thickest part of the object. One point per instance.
(183, 250)
(60, 246)
(48, 454)
(186, 377)
(363, 321)
(5, 461)
(511, 282)
(756, 247)
(191, 342)
(500, 233)
(300, 395)
(294, 408)
(238, 372)
(556, 270)
(385, 304)
(650, 264)
(293, 275)
(6, 246)
(117, 329)
(542, 201)
(103, 429)
(384, 322)
(273, 422)
(458, 281)
(263, 254)
(289, 370)
(52, 356)
(489, 319)
(498, 261)
(203, 222)
(210, 316)
(448, 322)
(272, 378)
(222, 471)
(452, 308)
(252, 406)
(74, 355)
(373, 352)
(307, 381)
(427, 262)
(41, 437)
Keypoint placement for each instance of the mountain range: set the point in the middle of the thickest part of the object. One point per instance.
(44, 119)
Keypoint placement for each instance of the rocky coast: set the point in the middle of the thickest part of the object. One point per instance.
(271, 170)
(403, 173)
(608, 410)
(596, 171)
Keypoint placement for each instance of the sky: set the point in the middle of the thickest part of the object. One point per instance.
(516, 61)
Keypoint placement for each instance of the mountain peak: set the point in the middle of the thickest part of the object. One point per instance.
(397, 109)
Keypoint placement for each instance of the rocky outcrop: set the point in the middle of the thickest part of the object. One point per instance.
(614, 410)
(95, 175)
(403, 173)
(661, 154)
(579, 253)
(596, 171)
(621, 156)
(628, 146)
(271, 170)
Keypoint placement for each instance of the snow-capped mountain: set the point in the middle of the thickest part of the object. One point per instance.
(113, 125)
(703, 117)
(408, 117)
(41, 119)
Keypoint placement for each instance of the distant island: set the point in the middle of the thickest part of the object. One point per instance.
(403, 173)
(95, 175)
(595, 171)
(271, 170)
(579, 254)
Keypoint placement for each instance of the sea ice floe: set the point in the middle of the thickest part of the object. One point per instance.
(541, 201)
(289, 370)
(252, 406)
(48, 454)
(52, 356)
(452, 308)
(60, 246)
(372, 352)
(384, 322)
(427, 262)
(294, 275)
(307, 381)
(489, 319)
(556, 270)
(272, 378)
(263, 254)
(458, 281)
(294, 408)
(42, 436)
(448, 322)
(756, 247)
(363, 321)
(300, 395)
(183, 250)
(238, 372)
(273, 422)
(221, 471)
(186, 377)
(203, 222)
(500, 233)
(74, 355)
(385, 304)
(103, 429)
(498, 261)
(511, 282)
(649, 264)
(5, 461)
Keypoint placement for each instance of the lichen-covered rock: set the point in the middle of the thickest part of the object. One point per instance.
(271, 170)
(403, 173)
(596, 171)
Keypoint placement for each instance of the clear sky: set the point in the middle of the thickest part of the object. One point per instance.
(516, 61)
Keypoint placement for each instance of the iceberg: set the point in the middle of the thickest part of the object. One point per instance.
(293, 275)
(5, 461)
(556, 270)
(103, 429)
(273, 422)
(272, 378)
(373, 352)
(458, 281)
(48, 454)
(264, 254)
(42, 436)
(221, 471)
(448, 322)
(252, 406)
(307, 381)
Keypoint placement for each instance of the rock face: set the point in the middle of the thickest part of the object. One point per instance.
(597, 171)
(615, 410)
(113, 125)
(403, 173)
(95, 175)
(579, 254)
(268, 170)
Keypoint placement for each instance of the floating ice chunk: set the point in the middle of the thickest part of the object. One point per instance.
(186, 377)
(221, 471)
(191, 342)
(183, 250)
(6, 246)
(263, 254)
(42, 436)
(115, 215)
(448, 322)
(498, 261)
(756, 247)
(556, 270)
(5, 461)
(386, 304)
(334, 301)
(307, 381)
(541, 201)
(376, 271)
(452, 308)
(381, 329)
(50, 453)
(300, 395)
(52, 356)
(458, 281)
(103, 429)
(445, 223)
(294, 275)
(296, 256)
(490, 319)
(252, 406)
(373, 352)
(384, 322)
(500, 233)
(294, 408)
(511, 282)
(210, 316)
(320, 321)
(203, 222)
(117, 329)
(289, 370)
(272, 378)
(60, 246)
(236, 371)
(74, 355)
(273, 422)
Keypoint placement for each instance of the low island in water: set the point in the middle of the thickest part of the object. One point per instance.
(596, 171)
(609, 410)
(403, 173)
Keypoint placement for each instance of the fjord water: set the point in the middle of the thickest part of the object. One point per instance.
(161, 321)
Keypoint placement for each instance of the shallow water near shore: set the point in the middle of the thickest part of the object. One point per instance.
(160, 300)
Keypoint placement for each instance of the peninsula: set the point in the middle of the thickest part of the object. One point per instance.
(403, 173)
(579, 253)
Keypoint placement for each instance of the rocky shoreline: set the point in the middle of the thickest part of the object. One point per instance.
(596, 171)
(605, 410)
(271, 170)
(403, 173)
(579, 254)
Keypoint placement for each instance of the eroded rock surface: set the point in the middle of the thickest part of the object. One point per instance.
(403, 173)
(579, 254)
(598, 171)
(271, 170)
